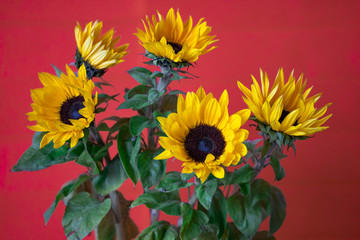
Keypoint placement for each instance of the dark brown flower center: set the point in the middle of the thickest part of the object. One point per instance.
(202, 140)
(70, 109)
(177, 47)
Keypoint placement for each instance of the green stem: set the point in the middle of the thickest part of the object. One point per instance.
(116, 210)
(261, 163)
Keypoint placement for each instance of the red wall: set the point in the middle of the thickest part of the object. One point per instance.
(319, 38)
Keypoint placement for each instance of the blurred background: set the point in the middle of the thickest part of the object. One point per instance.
(318, 38)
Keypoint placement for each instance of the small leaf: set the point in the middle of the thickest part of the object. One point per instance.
(82, 214)
(278, 169)
(64, 192)
(278, 209)
(136, 102)
(193, 221)
(161, 230)
(241, 175)
(205, 192)
(128, 148)
(139, 89)
(102, 127)
(151, 171)
(173, 181)
(168, 202)
(141, 75)
(138, 123)
(153, 95)
(111, 178)
(218, 212)
(86, 160)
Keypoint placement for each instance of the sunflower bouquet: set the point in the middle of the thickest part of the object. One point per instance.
(217, 194)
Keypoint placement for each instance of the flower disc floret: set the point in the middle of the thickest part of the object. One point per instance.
(285, 107)
(173, 39)
(98, 52)
(63, 108)
(202, 134)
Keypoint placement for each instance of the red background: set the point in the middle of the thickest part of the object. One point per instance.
(319, 38)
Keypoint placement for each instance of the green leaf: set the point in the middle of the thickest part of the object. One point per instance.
(104, 98)
(263, 235)
(151, 171)
(139, 89)
(86, 160)
(141, 75)
(106, 228)
(136, 102)
(64, 192)
(153, 95)
(103, 127)
(111, 178)
(168, 202)
(34, 159)
(208, 232)
(169, 103)
(278, 209)
(218, 212)
(173, 181)
(57, 71)
(247, 217)
(245, 188)
(260, 193)
(278, 169)
(265, 148)
(232, 233)
(193, 221)
(241, 175)
(205, 192)
(82, 214)
(161, 230)
(138, 123)
(100, 84)
(128, 148)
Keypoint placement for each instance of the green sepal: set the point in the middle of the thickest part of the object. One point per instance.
(161, 230)
(142, 75)
(111, 178)
(205, 192)
(173, 181)
(168, 202)
(150, 170)
(218, 213)
(242, 175)
(138, 123)
(278, 169)
(65, 191)
(128, 148)
(193, 221)
(58, 72)
(34, 159)
(82, 214)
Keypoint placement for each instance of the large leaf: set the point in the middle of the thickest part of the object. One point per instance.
(106, 228)
(128, 148)
(64, 192)
(168, 202)
(241, 175)
(205, 192)
(111, 178)
(247, 217)
(34, 159)
(138, 123)
(208, 232)
(161, 230)
(173, 181)
(82, 214)
(193, 221)
(278, 209)
(218, 212)
(151, 171)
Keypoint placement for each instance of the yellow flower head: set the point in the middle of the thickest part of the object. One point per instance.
(171, 38)
(63, 107)
(97, 52)
(202, 134)
(286, 107)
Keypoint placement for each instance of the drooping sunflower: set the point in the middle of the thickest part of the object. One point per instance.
(173, 39)
(286, 107)
(97, 52)
(202, 134)
(63, 107)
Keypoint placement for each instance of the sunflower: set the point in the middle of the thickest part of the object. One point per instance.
(97, 52)
(172, 39)
(63, 107)
(202, 134)
(286, 107)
